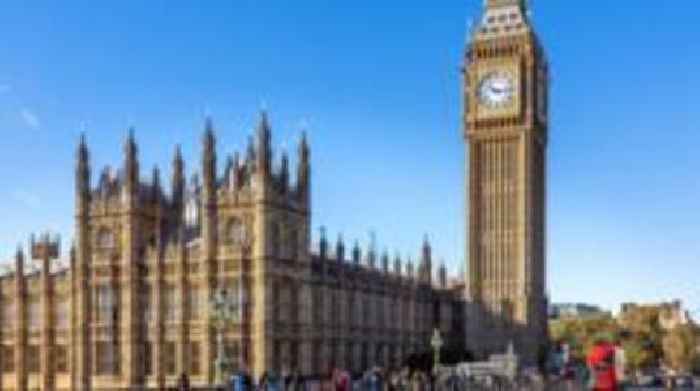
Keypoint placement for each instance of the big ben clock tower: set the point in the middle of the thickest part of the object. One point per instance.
(505, 124)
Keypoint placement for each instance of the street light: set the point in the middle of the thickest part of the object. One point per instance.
(436, 342)
(225, 309)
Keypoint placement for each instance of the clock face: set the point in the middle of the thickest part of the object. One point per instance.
(496, 89)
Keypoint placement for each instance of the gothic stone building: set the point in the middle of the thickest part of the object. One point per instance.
(132, 310)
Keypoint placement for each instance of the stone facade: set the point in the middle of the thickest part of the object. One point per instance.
(506, 125)
(132, 310)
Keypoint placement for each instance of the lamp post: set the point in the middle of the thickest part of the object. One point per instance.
(224, 310)
(226, 307)
(436, 342)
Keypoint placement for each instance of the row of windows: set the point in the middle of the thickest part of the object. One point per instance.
(106, 300)
(106, 303)
(496, 30)
(237, 234)
(108, 358)
(34, 314)
(284, 241)
(59, 358)
(373, 312)
(503, 18)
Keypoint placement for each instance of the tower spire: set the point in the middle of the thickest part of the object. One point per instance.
(155, 184)
(284, 172)
(209, 156)
(82, 175)
(426, 266)
(264, 152)
(323, 243)
(340, 249)
(304, 170)
(178, 183)
(131, 163)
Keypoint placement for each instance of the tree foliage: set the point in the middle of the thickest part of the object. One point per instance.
(695, 365)
(640, 334)
(679, 347)
(580, 334)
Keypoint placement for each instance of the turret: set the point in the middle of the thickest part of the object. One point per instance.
(323, 245)
(250, 154)
(356, 254)
(178, 185)
(340, 249)
(209, 158)
(372, 252)
(21, 333)
(131, 164)
(82, 175)
(235, 175)
(397, 264)
(19, 264)
(410, 272)
(156, 189)
(442, 276)
(426, 266)
(284, 172)
(264, 150)
(208, 196)
(228, 172)
(157, 196)
(385, 261)
(304, 170)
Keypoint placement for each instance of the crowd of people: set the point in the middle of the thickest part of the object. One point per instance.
(376, 379)
(603, 371)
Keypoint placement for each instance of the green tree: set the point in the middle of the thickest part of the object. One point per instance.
(679, 347)
(638, 355)
(695, 365)
(581, 333)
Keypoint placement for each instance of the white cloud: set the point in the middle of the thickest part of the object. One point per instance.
(5, 88)
(30, 118)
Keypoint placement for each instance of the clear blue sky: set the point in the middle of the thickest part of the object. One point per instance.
(377, 84)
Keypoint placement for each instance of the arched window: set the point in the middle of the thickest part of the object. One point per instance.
(236, 233)
(105, 238)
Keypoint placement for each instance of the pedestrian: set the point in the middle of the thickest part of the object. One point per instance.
(601, 364)
(293, 382)
(327, 382)
(342, 380)
(263, 384)
(184, 383)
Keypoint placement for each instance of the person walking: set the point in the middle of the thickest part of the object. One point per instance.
(601, 364)
(184, 383)
(263, 384)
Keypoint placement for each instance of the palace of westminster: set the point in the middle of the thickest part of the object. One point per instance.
(132, 310)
